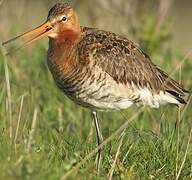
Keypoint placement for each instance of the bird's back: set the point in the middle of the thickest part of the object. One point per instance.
(110, 72)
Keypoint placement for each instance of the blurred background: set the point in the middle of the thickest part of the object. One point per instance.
(121, 16)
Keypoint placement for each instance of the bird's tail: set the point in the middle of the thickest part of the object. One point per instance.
(174, 88)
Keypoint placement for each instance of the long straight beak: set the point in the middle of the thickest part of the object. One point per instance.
(39, 32)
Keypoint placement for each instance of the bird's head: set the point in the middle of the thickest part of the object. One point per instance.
(61, 24)
(63, 21)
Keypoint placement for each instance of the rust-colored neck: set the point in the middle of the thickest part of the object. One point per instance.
(63, 53)
(68, 37)
(64, 47)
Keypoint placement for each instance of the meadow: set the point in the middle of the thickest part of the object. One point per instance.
(43, 135)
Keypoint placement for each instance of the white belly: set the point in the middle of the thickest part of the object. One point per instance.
(110, 95)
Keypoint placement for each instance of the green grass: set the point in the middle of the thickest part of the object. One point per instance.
(154, 145)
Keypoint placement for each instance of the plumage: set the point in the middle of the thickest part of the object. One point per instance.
(101, 70)
(113, 74)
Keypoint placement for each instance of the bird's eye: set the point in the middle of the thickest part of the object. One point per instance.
(64, 18)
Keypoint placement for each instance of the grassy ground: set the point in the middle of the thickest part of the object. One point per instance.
(43, 135)
(50, 134)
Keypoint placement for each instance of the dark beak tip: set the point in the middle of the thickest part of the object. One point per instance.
(4, 43)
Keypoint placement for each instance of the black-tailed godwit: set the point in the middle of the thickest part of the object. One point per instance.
(101, 70)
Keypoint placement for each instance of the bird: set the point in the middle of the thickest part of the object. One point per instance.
(100, 70)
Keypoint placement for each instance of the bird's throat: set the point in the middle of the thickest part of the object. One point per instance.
(62, 56)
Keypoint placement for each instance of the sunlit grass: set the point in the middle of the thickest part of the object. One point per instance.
(64, 133)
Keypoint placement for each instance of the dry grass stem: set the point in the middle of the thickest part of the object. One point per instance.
(19, 160)
(186, 106)
(18, 122)
(116, 156)
(178, 129)
(127, 153)
(31, 133)
(8, 88)
(180, 64)
(178, 139)
(185, 156)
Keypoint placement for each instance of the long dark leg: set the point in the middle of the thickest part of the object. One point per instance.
(99, 138)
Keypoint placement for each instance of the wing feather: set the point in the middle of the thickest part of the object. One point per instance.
(126, 63)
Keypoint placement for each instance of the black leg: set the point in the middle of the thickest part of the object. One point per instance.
(99, 138)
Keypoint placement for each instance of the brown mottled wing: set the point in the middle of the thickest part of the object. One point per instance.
(126, 63)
